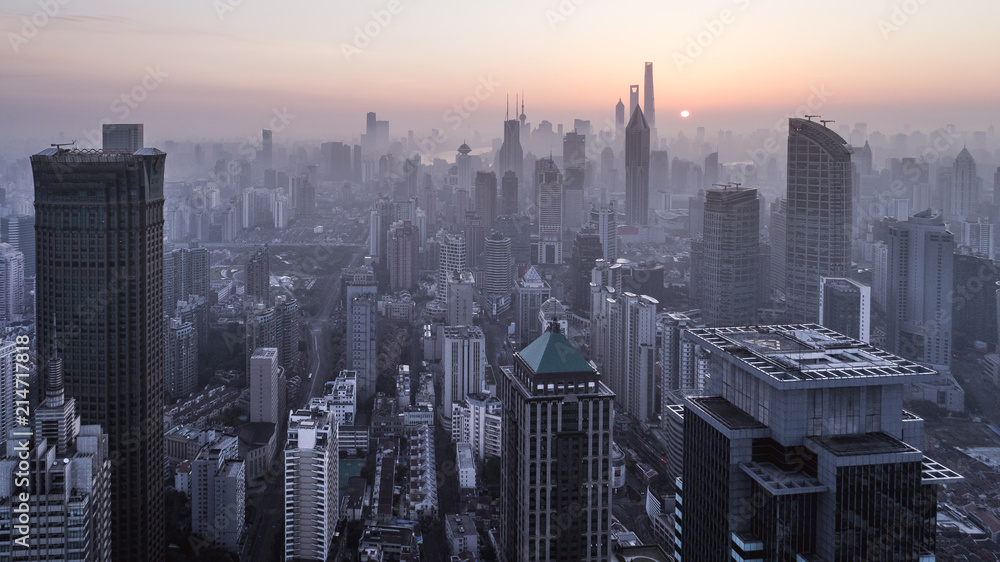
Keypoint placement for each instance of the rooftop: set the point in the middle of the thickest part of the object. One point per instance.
(864, 444)
(553, 353)
(808, 352)
(780, 482)
(726, 412)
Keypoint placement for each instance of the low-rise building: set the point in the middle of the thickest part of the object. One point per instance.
(461, 533)
(421, 495)
(466, 465)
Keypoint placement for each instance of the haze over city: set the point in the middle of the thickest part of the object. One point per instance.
(735, 65)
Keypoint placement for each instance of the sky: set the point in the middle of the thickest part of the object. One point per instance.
(311, 69)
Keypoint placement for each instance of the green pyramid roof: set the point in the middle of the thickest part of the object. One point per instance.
(553, 353)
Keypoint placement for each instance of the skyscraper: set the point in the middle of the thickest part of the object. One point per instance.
(11, 282)
(619, 118)
(19, 231)
(632, 353)
(633, 98)
(464, 362)
(264, 372)
(267, 152)
(574, 165)
(122, 136)
(452, 258)
(113, 303)
(508, 194)
(807, 426)
(845, 307)
(648, 106)
(729, 257)
(461, 295)
(965, 186)
(311, 484)
(180, 371)
(558, 419)
(530, 291)
(820, 214)
(404, 251)
(511, 155)
(550, 211)
(499, 272)
(486, 198)
(604, 219)
(919, 289)
(637, 170)
(257, 276)
(464, 164)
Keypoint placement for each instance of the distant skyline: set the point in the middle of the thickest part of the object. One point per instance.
(214, 69)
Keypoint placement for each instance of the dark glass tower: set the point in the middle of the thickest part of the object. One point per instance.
(820, 211)
(99, 230)
(637, 170)
(729, 257)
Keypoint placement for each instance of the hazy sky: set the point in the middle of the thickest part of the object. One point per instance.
(195, 69)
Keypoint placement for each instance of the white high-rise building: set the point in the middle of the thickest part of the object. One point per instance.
(452, 256)
(550, 211)
(478, 420)
(499, 272)
(461, 293)
(264, 371)
(632, 338)
(11, 282)
(464, 362)
(218, 493)
(311, 484)
(978, 236)
(605, 221)
(340, 397)
(919, 290)
(68, 484)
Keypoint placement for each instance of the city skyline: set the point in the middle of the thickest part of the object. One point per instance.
(225, 66)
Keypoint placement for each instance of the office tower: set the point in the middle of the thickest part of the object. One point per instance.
(807, 425)
(19, 232)
(820, 214)
(574, 164)
(9, 387)
(729, 260)
(199, 271)
(305, 199)
(475, 237)
(257, 276)
(530, 292)
(965, 186)
(477, 419)
(12, 300)
(511, 155)
(486, 198)
(361, 354)
(557, 414)
(648, 106)
(404, 251)
(464, 363)
(587, 248)
(368, 140)
(263, 379)
(711, 170)
(381, 218)
(218, 493)
(180, 369)
(637, 170)
(604, 219)
(122, 136)
(460, 299)
(619, 118)
(550, 211)
(777, 236)
(632, 353)
(267, 152)
(863, 159)
(508, 194)
(464, 164)
(518, 229)
(186, 272)
(113, 303)
(69, 481)
(499, 273)
(919, 289)
(311, 485)
(633, 99)
(845, 307)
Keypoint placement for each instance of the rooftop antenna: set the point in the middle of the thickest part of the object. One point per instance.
(810, 117)
(825, 121)
(59, 147)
